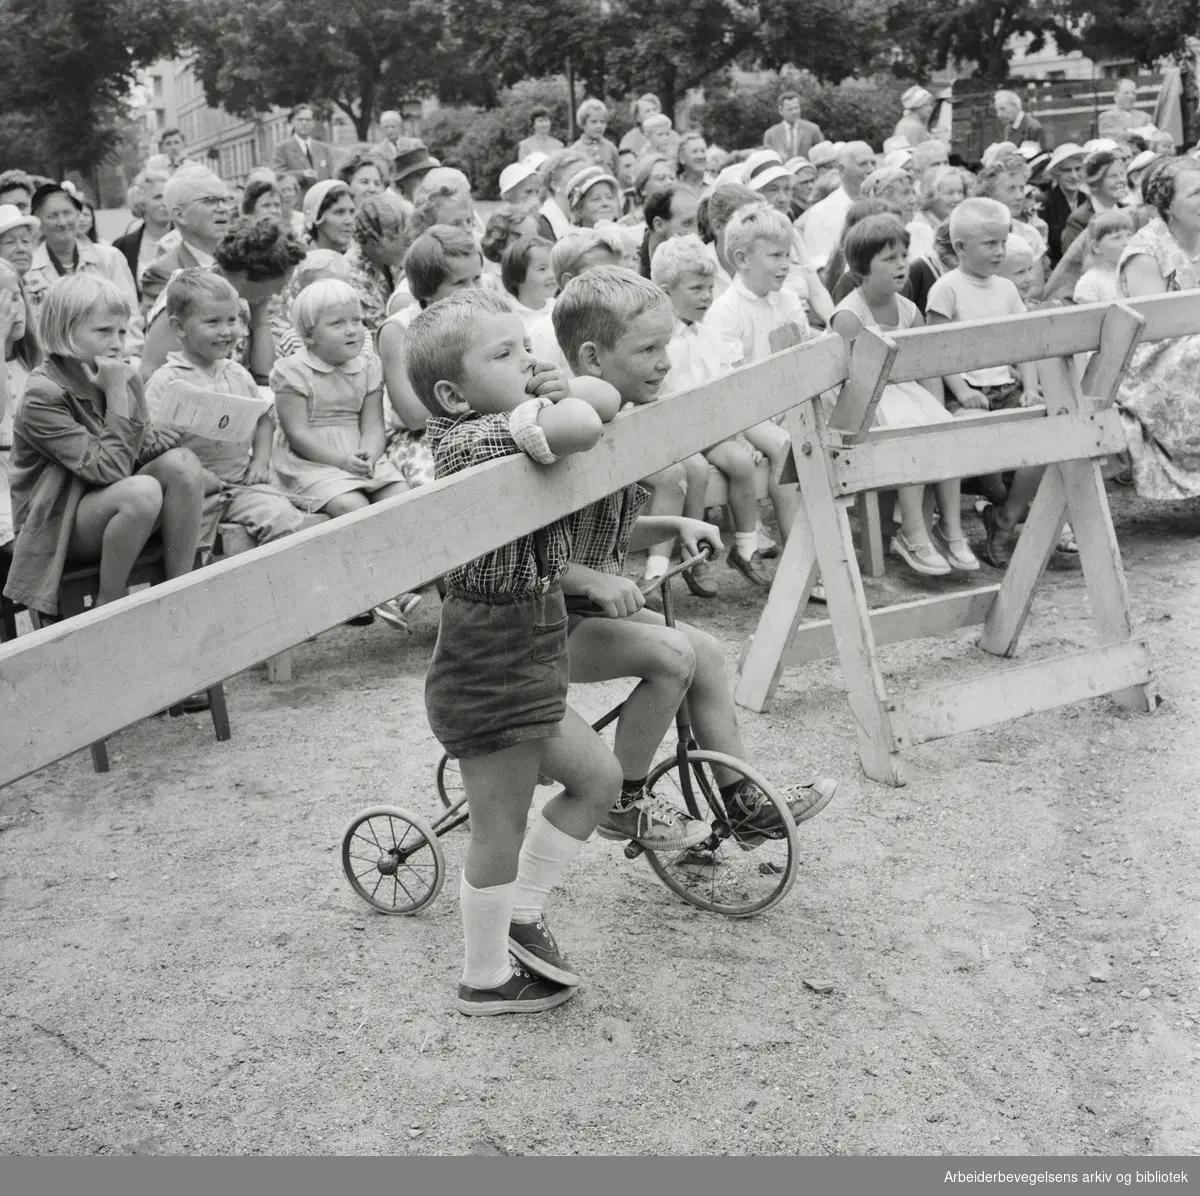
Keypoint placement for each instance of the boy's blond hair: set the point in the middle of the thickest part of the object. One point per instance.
(190, 287)
(440, 336)
(758, 223)
(568, 252)
(598, 305)
(315, 298)
(589, 108)
(679, 256)
(972, 214)
(69, 301)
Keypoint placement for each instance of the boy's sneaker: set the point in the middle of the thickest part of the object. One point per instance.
(751, 567)
(811, 798)
(699, 579)
(532, 943)
(752, 818)
(522, 992)
(651, 822)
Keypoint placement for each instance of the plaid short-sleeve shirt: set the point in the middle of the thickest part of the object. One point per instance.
(599, 534)
(513, 568)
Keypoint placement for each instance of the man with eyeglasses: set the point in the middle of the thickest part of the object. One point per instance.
(202, 208)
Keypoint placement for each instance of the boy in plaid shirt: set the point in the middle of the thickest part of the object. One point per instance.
(496, 688)
(615, 325)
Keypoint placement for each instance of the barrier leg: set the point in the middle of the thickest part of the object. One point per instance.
(763, 662)
(870, 532)
(1100, 557)
(847, 601)
(1043, 525)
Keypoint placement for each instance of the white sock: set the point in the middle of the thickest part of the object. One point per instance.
(486, 914)
(746, 544)
(544, 854)
(656, 566)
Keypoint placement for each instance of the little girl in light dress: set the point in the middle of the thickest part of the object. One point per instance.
(876, 251)
(328, 452)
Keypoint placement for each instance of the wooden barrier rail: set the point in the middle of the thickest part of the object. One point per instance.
(87, 677)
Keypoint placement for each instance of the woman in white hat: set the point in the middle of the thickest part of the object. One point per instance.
(18, 236)
(918, 108)
(1062, 197)
(329, 212)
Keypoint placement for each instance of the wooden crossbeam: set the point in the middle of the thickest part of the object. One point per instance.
(954, 452)
(1025, 689)
(897, 624)
(87, 677)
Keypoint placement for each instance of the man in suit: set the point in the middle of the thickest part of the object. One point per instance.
(1019, 126)
(792, 137)
(302, 155)
(202, 208)
(394, 142)
(1117, 122)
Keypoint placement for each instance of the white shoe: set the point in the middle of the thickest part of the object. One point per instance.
(922, 558)
(957, 552)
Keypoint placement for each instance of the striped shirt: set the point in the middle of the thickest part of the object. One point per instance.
(599, 534)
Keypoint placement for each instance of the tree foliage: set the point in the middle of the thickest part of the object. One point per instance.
(1147, 30)
(357, 54)
(928, 33)
(67, 68)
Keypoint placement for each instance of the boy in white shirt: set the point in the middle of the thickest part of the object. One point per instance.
(699, 353)
(758, 244)
(979, 230)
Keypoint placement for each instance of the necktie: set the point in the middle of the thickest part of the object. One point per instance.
(308, 152)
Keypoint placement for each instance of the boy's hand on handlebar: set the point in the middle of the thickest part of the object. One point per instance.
(693, 533)
(617, 596)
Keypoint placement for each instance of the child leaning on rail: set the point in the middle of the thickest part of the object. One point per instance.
(614, 325)
(497, 685)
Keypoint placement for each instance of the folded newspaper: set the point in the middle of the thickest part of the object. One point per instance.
(208, 413)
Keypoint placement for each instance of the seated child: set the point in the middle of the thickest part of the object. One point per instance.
(497, 685)
(577, 251)
(615, 325)
(91, 479)
(876, 251)
(1020, 268)
(924, 271)
(504, 226)
(979, 230)
(205, 312)
(974, 290)
(1108, 233)
(698, 353)
(441, 262)
(328, 450)
(22, 354)
(758, 244)
(319, 264)
(527, 277)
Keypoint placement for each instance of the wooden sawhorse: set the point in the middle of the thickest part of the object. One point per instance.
(839, 457)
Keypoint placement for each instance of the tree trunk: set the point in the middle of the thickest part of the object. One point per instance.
(668, 85)
(572, 134)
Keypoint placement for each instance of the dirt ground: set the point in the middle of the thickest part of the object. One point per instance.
(187, 971)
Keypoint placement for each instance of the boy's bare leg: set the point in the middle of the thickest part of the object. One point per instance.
(735, 463)
(589, 772)
(499, 789)
(636, 646)
(772, 441)
(666, 498)
(696, 471)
